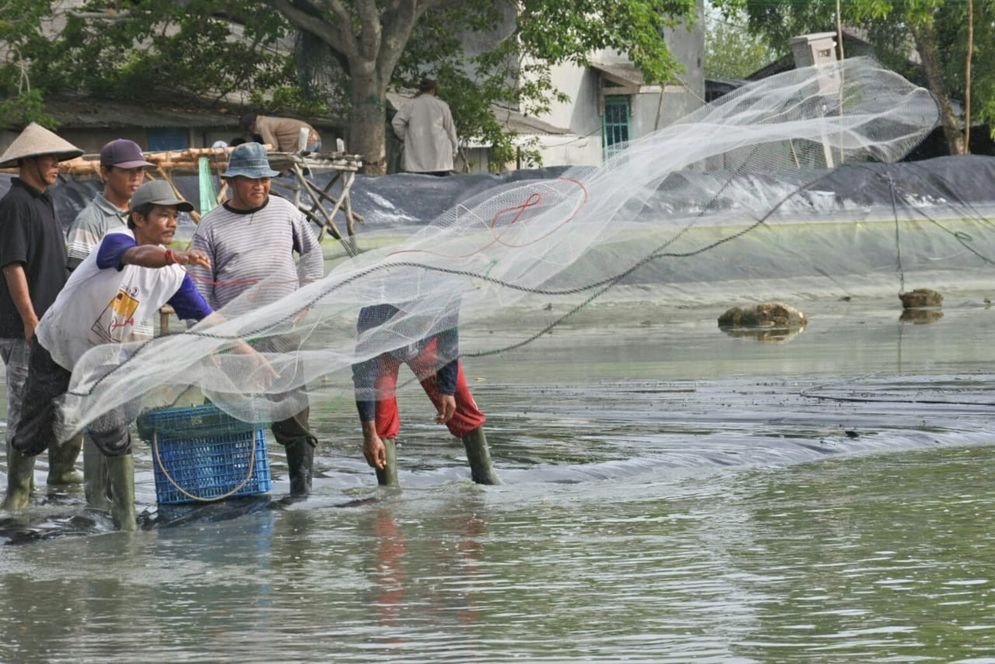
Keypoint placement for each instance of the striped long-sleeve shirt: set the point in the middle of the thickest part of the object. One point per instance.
(272, 246)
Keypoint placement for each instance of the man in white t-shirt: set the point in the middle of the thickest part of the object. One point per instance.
(120, 285)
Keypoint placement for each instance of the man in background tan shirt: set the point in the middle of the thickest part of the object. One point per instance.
(281, 133)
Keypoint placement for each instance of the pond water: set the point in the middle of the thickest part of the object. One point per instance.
(671, 494)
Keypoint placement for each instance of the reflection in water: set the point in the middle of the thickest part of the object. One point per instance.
(921, 316)
(771, 335)
(442, 544)
(388, 573)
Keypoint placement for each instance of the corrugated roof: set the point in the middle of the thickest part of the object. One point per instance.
(105, 114)
(94, 113)
(623, 73)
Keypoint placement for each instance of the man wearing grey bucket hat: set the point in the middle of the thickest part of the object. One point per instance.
(33, 262)
(252, 241)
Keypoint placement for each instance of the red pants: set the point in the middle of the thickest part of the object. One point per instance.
(467, 417)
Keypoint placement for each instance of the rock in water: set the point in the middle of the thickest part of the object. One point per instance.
(765, 315)
(921, 297)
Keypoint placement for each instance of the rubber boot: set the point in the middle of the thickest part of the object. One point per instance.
(479, 456)
(300, 461)
(388, 475)
(20, 480)
(62, 462)
(95, 482)
(121, 473)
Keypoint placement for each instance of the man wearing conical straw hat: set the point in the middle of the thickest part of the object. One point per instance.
(33, 262)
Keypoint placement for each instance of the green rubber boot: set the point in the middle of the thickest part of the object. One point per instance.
(20, 480)
(388, 475)
(479, 456)
(300, 461)
(62, 462)
(121, 473)
(96, 485)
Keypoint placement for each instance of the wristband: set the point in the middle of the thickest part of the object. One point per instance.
(170, 257)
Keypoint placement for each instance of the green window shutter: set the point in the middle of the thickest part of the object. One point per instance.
(616, 122)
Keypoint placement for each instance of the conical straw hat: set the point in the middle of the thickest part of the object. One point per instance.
(35, 141)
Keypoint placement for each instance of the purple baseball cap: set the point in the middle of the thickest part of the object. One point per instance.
(122, 153)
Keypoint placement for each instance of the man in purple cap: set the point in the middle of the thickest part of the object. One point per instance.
(122, 169)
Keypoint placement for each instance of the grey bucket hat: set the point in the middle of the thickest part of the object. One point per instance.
(158, 192)
(36, 141)
(249, 160)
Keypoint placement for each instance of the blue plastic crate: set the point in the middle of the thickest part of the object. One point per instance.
(204, 454)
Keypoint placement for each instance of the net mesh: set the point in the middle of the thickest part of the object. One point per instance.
(742, 198)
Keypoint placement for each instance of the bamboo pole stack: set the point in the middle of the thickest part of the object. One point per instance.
(185, 162)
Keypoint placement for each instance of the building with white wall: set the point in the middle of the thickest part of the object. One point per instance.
(611, 104)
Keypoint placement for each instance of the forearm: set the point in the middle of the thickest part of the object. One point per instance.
(364, 381)
(154, 256)
(269, 138)
(447, 376)
(17, 286)
(148, 255)
(400, 126)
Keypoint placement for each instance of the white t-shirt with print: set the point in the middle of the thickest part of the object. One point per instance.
(110, 305)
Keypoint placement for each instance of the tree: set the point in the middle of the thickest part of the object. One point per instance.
(114, 47)
(164, 51)
(933, 29)
(731, 50)
(21, 102)
(370, 38)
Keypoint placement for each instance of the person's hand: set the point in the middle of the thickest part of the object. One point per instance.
(374, 451)
(447, 408)
(29, 328)
(299, 317)
(194, 257)
(261, 369)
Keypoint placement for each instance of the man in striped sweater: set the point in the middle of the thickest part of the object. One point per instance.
(251, 241)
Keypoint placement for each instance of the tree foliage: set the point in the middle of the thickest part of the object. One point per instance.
(732, 51)
(360, 48)
(381, 43)
(934, 31)
(21, 38)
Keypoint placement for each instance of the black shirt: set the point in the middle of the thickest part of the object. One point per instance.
(30, 234)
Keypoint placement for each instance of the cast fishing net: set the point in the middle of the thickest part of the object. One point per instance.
(784, 188)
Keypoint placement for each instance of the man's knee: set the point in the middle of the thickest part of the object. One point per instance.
(293, 428)
(111, 433)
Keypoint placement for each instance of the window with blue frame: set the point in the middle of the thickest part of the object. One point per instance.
(168, 138)
(616, 122)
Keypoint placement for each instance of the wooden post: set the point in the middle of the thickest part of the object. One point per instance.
(164, 313)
